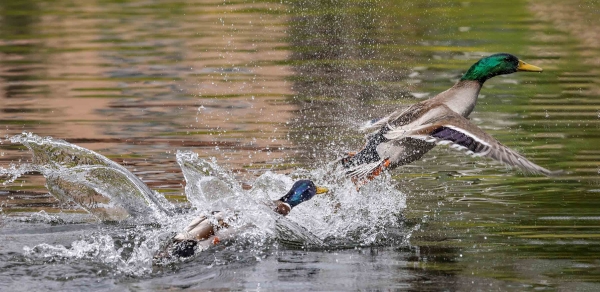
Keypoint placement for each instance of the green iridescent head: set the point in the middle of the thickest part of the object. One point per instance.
(495, 65)
(301, 191)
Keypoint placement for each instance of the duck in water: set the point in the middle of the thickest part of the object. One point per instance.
(408, 133)
(205, 232)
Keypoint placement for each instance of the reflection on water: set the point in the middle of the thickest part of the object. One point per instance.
(269, 84)
(181, 75)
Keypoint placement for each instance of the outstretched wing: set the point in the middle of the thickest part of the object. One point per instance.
(458, 132)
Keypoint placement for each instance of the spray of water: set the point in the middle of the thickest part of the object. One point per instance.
(95, 183)
(343, 217)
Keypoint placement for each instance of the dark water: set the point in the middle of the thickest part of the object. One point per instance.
(281, 85)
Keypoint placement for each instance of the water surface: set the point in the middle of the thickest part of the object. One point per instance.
(282, 85)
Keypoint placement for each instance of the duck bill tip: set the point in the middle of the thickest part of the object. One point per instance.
(322, 190)
(528, 67)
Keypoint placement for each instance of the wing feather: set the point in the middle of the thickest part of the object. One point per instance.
(458, 132)
(376, 124)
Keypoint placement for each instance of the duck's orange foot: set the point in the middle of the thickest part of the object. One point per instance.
(359, 182)
(216, 240)
(379, 169)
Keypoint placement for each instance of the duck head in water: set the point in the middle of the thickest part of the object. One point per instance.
(301, 191)
(204, 231)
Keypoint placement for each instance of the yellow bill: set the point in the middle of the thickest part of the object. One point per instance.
(322, 190)
(528, 67)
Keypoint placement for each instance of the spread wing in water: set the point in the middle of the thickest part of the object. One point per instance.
(453, 129)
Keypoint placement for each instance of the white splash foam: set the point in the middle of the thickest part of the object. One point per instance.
(344, 215)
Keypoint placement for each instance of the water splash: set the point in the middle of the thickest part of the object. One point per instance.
(344, 217)
(209, 188)
(206, 182)
(13, 172)
(95, 183)
(122, 252)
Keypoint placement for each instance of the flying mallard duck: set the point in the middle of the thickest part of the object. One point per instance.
(408, 133)
(207, 232)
